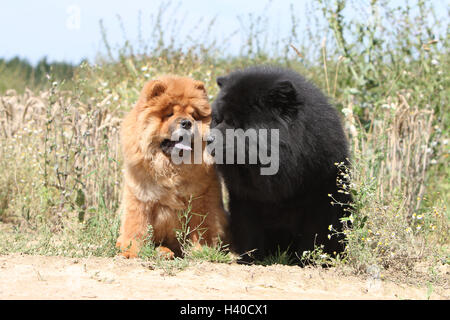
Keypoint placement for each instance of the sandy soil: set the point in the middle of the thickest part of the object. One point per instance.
(38, 277)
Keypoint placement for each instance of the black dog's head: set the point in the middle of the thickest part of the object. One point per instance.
(291, 109)
(254, 98)
(251, 101)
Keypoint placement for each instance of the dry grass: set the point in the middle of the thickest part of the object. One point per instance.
(402, 135)
(391, 229)
(58, 153)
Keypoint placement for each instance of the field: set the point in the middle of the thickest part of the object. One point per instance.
(61, 163)
(37, 277)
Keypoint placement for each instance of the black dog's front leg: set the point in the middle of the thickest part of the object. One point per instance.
(247, 232)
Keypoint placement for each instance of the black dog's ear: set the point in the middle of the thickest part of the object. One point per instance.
(283, 96)
(220, 81)
(283, 92)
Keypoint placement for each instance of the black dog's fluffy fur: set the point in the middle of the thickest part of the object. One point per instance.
(290, 210)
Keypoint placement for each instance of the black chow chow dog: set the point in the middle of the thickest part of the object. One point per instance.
(289, 208)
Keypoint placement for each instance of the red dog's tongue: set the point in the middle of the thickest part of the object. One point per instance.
(181, 146)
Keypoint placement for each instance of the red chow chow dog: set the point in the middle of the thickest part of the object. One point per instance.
(156, 189)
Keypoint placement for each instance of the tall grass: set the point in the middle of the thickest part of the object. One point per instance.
(385, 70)
(18, 74)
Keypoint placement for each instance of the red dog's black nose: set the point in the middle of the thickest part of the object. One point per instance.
(185, 124)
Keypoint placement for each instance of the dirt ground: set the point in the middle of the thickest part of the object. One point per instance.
(39, 277)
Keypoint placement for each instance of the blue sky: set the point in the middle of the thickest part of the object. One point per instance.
(69, 29)
(33, 29)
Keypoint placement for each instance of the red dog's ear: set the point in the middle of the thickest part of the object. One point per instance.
(200, 86)
(153, 89)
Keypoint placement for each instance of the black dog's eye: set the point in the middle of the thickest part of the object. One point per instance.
(230, 122)
(216, 119)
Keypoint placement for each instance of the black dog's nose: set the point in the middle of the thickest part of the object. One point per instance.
(185, 124)
(210, 139)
